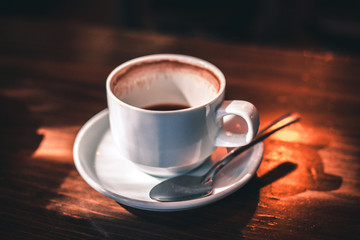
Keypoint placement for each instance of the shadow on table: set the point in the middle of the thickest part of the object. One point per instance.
(310, 174)
(228, 217)
(26, 187)
(240, 205)
(18, 135)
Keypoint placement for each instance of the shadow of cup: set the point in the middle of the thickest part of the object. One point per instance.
(240, 206)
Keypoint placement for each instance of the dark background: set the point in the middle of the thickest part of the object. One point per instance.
(320, 25)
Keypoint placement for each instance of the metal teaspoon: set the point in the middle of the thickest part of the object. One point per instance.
(187, 187)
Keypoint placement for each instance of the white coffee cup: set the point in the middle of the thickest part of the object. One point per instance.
(172, 142)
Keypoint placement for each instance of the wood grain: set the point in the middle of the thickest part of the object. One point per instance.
(53, 80)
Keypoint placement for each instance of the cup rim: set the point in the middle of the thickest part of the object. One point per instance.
(179, 57)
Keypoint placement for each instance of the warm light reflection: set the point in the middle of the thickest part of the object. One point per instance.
(327, 57)
(57, 143)
(218, 154)
(288, 135)
(300, 133)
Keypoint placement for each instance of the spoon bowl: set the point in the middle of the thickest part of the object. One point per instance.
(181, 188)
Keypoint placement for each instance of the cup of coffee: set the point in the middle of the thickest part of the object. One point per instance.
(166, 112)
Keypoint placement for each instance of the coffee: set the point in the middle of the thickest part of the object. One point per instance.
(166, 107)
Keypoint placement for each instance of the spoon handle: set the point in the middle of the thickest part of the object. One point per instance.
(290, 118)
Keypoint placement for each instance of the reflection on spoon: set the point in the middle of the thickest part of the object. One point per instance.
(187, 187)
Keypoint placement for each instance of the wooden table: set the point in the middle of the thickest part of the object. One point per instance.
(52, 79)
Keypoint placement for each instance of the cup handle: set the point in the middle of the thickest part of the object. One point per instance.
(248, 112)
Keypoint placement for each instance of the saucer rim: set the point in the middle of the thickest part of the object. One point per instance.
(151, 205)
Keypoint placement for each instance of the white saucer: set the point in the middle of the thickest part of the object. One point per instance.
(102, 167)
